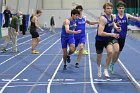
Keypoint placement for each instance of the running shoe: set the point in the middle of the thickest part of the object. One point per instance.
(106, 73)
(4, 50)
(68, 59)
(35, 52)
(85, 52)
(99, 71)
(76, 52)
(65, 67)
(111, 67)
(77, 65)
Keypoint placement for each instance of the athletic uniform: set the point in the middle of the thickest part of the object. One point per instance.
(33, 28)
(104, 41)
(122, 34)
(67, 38)
(81, 25)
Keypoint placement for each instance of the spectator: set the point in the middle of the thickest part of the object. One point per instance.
(7, 15)
(52, 23)
(12, 33)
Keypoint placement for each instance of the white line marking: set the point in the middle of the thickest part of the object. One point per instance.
(20, 38)
(135, 50)
(90, 68)
(137, 85)
(41, 76)
(30, 84)
(20, 53)
(3, 88)
(108, 80)
(51, 80)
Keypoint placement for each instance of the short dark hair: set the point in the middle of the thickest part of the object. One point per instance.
(74, 11)
(121, 4)
(79, 7)
(38, 11)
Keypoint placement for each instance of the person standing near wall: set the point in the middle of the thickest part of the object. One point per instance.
(52, 24)
(23, 25)
(7, 15)
(33, 30)
(13, 32)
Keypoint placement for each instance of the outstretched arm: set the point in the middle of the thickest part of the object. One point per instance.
(133, 17)
(91, 23)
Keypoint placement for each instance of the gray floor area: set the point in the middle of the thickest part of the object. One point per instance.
(135, 34)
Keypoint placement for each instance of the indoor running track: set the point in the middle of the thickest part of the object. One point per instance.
(24, 72)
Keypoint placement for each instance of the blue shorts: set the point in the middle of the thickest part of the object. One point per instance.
(67, 41)
(79, 40)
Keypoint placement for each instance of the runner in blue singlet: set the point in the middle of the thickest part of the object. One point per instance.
(67, 36)
(121, 19)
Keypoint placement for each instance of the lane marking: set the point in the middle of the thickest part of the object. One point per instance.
(117, 80)
(51, 80)
(41, 76)
(132, 48)
(20, 61)
(3, 88)
(19, 38)
(1, 63)
(136, 84)
(90, 67)
(58, 80)
(7, 80)
(30, 84)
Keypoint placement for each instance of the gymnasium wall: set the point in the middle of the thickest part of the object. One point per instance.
(132, 6)
(59, 8)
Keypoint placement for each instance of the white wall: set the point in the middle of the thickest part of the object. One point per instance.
(61, 15)
(22, 5)
(59, 8)
(12, 5)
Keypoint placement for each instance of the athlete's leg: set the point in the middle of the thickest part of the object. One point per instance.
(82, 45)
(109, 50)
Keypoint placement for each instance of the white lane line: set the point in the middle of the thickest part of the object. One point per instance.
(50, 82)
(20, 38)
(117, 80)
(136, 84)
(1, 63)
(22, 43)
(64, 83)
(41, 76)
(22, 60)
(90, 68)
(132, 48)
(49, 54)
(3, 88)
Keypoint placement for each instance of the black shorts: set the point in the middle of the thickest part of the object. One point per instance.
(34, 33)
(121, 43)
(101, 44)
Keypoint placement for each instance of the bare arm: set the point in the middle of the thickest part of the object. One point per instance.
(36, 22)
(66, 24)
(133, 17)
(101, 32)
(91, 23)
(102, 23)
